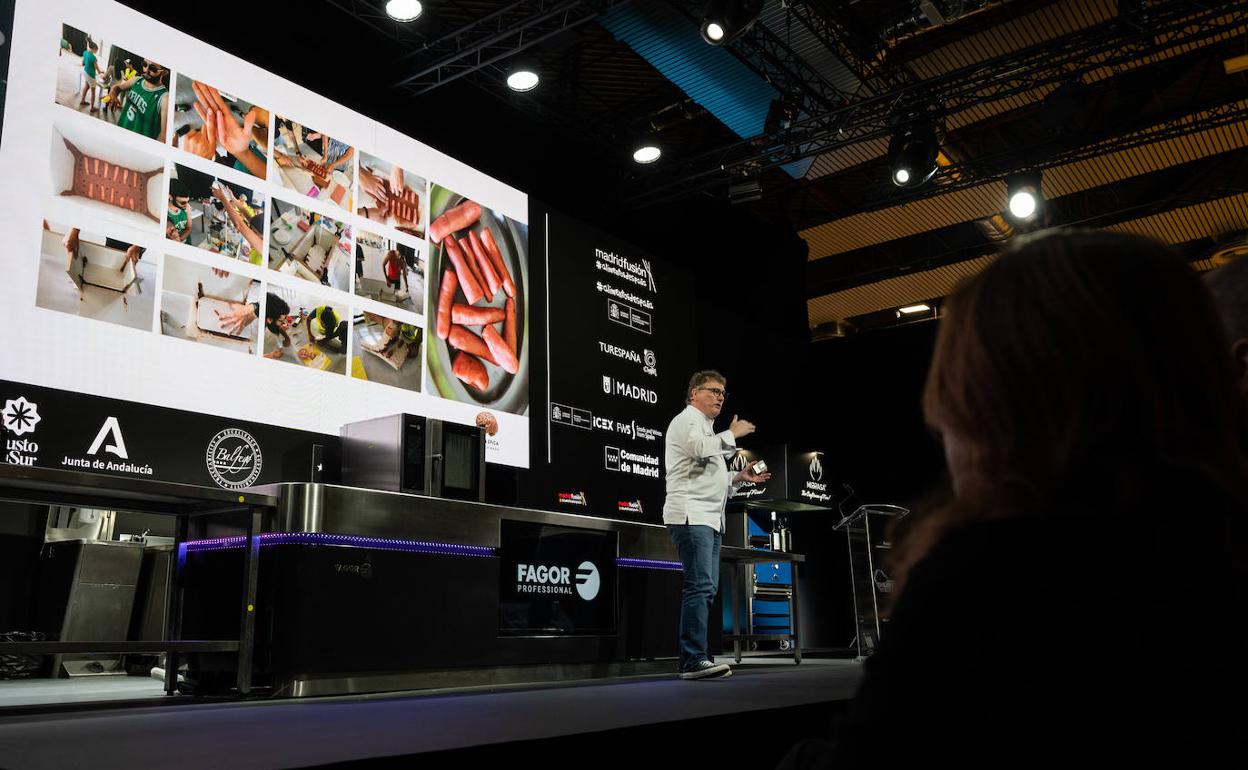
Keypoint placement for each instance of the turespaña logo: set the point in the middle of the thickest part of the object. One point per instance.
(587, 581)
(20, 416)
(738, 461)
(816, 469)
(110, 428)
(234, 459)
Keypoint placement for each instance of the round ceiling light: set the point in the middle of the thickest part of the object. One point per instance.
(522, 80)
(647, 153)
(901, 176)
(1023, 204)
(713, 32)
(403, 10)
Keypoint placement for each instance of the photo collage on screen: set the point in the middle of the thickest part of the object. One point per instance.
(200, 215)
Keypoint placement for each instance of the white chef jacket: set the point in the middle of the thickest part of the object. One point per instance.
(698, 480)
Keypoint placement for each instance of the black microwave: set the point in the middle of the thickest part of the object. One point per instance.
(411, 453)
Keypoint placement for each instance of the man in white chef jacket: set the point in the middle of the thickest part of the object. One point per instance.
(698, 484)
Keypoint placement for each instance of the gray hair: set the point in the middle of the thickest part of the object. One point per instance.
(701, 378)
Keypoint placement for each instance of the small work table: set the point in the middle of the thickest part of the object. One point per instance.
(184, 501)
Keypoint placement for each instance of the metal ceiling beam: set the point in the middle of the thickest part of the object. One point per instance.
(496, 36)
(844, 37)
(1116, 42)
(774, 61)
(560, 108)
(471, 39)
(369, 13)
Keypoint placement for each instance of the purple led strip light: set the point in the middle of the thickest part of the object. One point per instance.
(355, 541)
(648, 563)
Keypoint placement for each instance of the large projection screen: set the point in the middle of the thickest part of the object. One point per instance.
(187, 230)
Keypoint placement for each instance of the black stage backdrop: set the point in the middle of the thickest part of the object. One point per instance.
(622, 334)
(50, 428)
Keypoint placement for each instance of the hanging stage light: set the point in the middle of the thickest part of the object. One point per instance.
(403, 10)
(912, 155)
(725, 20)
(1025, 196)
(647, 151)
(523, 78)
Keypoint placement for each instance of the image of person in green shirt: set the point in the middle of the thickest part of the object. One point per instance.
(90, 87)
(178, 216)
(143, 101)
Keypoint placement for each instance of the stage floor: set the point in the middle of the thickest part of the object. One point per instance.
(311, 732)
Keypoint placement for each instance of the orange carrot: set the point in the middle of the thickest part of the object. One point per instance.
(472, 289)
(464, 215)
(445, 297)
(470, 261)
(467, 368)
(463, 339)
(505, 356)
(468, 315)
(487, 268)
(509, 325)
(496, 256)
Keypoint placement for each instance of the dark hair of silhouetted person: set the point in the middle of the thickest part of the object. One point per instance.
(1084, 371)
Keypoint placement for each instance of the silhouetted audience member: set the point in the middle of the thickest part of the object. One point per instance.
(1229, 285)
(1083, 594)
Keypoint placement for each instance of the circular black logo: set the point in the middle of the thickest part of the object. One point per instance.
(234, 459)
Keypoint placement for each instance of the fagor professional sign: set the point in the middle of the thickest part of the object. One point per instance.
(556, 579)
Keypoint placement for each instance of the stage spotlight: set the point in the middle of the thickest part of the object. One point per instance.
(522, 79)
(1025, 196)
(912, 155)
(403, 10)
(725, 20)
(647, 152)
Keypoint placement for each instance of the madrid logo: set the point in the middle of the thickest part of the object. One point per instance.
(20, 416)
(588, 582)
(234, 459)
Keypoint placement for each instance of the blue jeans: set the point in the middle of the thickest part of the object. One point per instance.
(698, 546)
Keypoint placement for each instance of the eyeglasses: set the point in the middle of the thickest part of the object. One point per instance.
(716, 391)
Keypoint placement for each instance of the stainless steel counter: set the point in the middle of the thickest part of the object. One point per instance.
(332, 509)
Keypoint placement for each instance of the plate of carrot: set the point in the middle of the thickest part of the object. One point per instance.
(478, 271)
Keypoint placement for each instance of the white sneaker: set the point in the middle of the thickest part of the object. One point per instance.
(707, 670)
